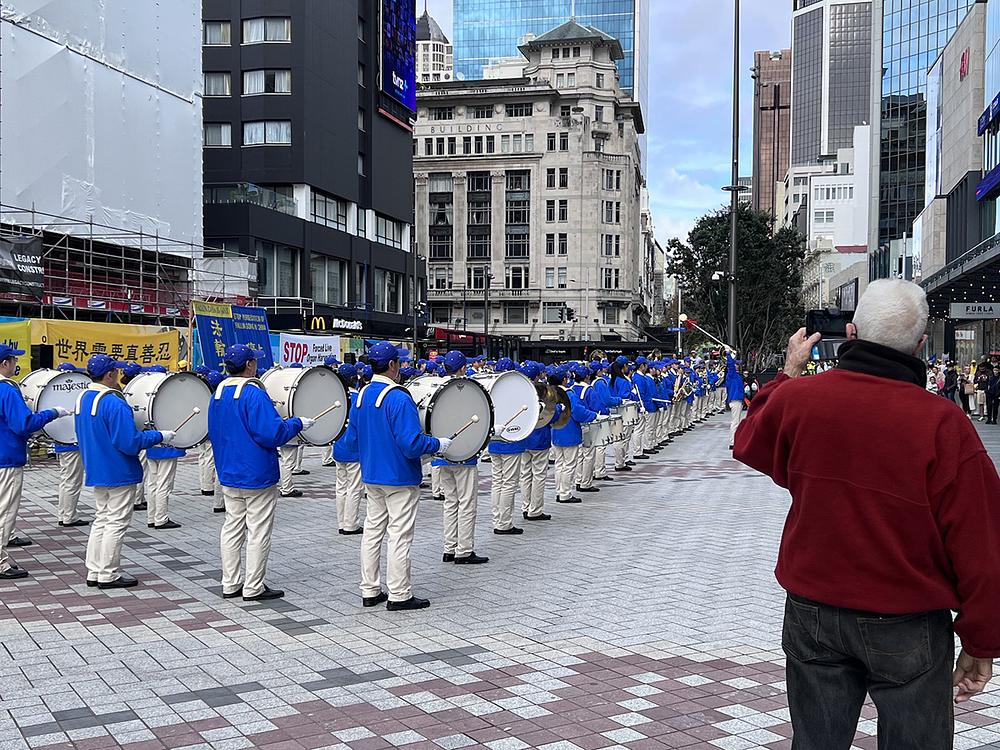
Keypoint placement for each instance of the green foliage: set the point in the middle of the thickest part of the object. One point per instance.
(769, 305)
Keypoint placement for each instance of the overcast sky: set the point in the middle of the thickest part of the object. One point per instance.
(689, 122)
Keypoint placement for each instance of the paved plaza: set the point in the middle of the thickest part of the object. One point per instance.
(647, 617)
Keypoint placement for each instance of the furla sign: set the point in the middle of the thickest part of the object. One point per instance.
(975, 311)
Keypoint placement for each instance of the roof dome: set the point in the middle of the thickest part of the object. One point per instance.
(429, 31)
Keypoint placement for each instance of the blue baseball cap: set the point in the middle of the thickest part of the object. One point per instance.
(581, 371)
(100, 365)
(296, 365)
(201, 370)
(432, 368)
(7, 351)
(347, 371)
(156, 368)
(68, 367)
(504, 364)
(621, 359)
(214, 377)
(383, 353)
(131, 369)
(367, 372)
(640, 360)
(237, 356)
(454, 361)
(531, 370)
(597, 366)
(408, 372)
(330, 360)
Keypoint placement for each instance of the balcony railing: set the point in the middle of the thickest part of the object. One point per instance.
(496, 293)
(247, 192)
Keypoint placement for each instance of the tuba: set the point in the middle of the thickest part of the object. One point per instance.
(597, 355)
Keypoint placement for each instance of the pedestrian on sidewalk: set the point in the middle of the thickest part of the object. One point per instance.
(893, 499)
(993, 396)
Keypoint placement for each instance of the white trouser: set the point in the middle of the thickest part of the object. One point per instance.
(70, 485)
(11, 480)
(600, 462)
(139, 491)
(585, 467)
(350, 490)
(287, 456)
(300, 451)
(506, 471)
(662, 424)
(460, 485)
(112, 513)
(566, 458)
(160, 474)
(622, 454)
(249, 520)
(328, 455)
(207, 477)
(436, 488)
(638, 435)
(392, 511)
(649, 433)
(535, 465)
(735, 414)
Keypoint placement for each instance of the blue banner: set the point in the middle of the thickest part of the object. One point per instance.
(215, 331)
(250, 324)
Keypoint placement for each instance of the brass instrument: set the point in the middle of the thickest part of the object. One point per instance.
(597, 355)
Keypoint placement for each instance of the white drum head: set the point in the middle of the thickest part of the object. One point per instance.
(515, 405)
(452, 408)
(315, 390)
(56, 388)
(175, 398)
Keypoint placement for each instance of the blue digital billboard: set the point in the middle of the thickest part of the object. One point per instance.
(399, 43)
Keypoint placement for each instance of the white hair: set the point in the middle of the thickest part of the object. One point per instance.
(892, 313)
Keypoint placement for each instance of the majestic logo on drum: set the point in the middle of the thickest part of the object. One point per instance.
(69, 387)
(513, 428)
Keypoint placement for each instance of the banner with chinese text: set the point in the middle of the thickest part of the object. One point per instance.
(215, 331)
(250, 324)
(18, 335)
(76, 341)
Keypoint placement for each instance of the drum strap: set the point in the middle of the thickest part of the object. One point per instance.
(240, 384)
(381, 396)
(101, 393)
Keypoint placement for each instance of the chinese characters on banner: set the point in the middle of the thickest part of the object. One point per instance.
(220, 325)
(18, 336)
(75, 342)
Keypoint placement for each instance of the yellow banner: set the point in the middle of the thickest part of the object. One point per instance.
(75, 342)
(18, 335)
(212, 309)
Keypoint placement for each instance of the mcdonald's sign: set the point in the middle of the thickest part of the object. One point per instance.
(326, 322)
(318, 323)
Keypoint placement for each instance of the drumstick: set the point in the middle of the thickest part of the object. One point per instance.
(194, 412)
(467, 425)
(336, 405)
(514, 416)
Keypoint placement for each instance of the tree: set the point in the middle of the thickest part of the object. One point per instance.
(768, 280)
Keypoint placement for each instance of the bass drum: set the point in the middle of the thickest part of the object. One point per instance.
(162, 400)
(308, 392)
(446, 405)
(47, 389)
(516, 409)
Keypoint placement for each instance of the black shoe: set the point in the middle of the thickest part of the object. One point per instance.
(264, 595)
(624, 468)
(649, 452)
(19, 541)
(448, 557)
(524, 514)
(374, 601)
(293, 493)
(539, 517)
(233, 594)
(569, 501)
(329, 463)
(208, 493)
(140, 506)
(471, 559)
(77, 522)
(168, 525)
(486, 460)
(300, 472)
(730, 446)
(13, 573)
(411, 603)
(604, 479)
(352, 532)
(219, 510)
(424, 486)
(438, 498)
(643, 457)
(92, 584)
(587, 489)
(124, 581)
(630, 463)
(150, 525)
(513, 530)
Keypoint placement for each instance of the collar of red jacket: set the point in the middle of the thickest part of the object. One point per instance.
(869, 358)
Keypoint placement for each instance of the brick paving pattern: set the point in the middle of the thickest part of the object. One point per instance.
(647, 617)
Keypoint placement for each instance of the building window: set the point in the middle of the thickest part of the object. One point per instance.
(529, 143)
(452, 146)
(428, 147)
(479, 247)
(361, 75)
(482, 112)
(598, 114)
(491, 144)
(439, 143)
(361, 164)
(217, 84)
(441, 277)
(362, 217)
(216, 34)
(564, 141)
(560, 80)
(267, 82)
(550, 210)
(563, 177)
(277, 270)
(517, 245)
(563, 243)
(610, 278)
(388, 232)
(467, 145)
(388, 291)
(478, 140)
(518, 180)
(515, 314)
(361, 29)
(555, 54)
(329, 211)
(518, 210)
(563, 210)
(564, 110)
(505, 144)
(329, 280)
(475, 277)
(267, 133)
(520, 109)
(442, 113)
(441, 314)
(218, 135)
(561, 277)
(550, 244)
(440, 247)
(550, 178)
(571, 80)
(576, 52)
(257, 30)
(361, 120)
(600, 80)
(480, 212)
(611, 245)
(550, 277)
(611, 316)
(361, 284)
(516, 277)
(553, 312)
(550, 142)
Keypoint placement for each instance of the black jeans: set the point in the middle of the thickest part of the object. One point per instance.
(835, 656)
(992, 407)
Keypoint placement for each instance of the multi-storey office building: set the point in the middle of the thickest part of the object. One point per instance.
(307, 156)
(435, 59)
(528, 199)
(772, 99)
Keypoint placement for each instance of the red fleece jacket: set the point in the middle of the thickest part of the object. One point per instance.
(895, 502)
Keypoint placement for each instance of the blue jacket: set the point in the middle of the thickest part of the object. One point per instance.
(539, 440)
(571, 434)
(61, 448)
(164, 453)
(345, 448)
(390, 439)
(110, 442)
(603, 399)
(246, 431)
(622, 388)
(503, 448)
(644, 385)
(17, 422)
(734, 380)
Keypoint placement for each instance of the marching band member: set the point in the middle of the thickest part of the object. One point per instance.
(161, 471)
(391, 444)
(246, 431)
(604, 401)
(583, 388)
(17, 423)
(621, 388)
(129, 371)
(506, 474)
(643, 385)
(70, 475)
(332, 363)
(460, 485)
(207, 475)
(350, 489)
(110, 446)
(535, 462)
(735, 392)
(566, 440)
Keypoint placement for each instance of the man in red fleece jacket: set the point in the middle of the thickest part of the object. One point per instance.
(894, 523)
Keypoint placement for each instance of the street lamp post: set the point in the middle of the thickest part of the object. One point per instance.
(486, 311)
(734, 188)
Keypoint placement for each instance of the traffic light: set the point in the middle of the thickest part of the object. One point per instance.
(570, 313)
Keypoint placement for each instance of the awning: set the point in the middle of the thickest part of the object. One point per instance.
(973, 277)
